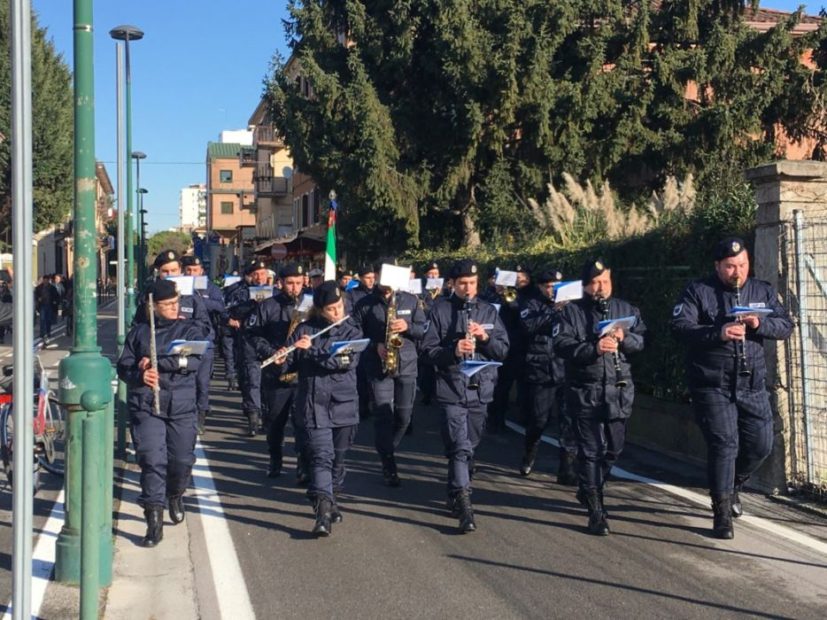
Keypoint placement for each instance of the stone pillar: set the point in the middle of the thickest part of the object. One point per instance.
(780, 188)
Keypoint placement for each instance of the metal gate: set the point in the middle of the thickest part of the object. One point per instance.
(806, 296)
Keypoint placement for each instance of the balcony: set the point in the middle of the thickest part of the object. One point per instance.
(267, 136)
(272, 186)
(247, 156)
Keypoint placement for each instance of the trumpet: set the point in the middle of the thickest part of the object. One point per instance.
(509, 293)
(740, 344)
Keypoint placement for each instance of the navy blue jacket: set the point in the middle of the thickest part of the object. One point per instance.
(354, 296)
(448, 324)
(591, 376)
(177, 384)
(240, 307)
(267, 329)
(697, 320)
(326, 396)
(371, 314)
(538, 316)
(214, 300)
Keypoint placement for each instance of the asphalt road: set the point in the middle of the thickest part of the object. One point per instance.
(398, 554)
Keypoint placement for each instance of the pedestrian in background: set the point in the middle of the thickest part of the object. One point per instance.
(45, 299)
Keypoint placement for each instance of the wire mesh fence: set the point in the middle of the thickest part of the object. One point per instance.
(804, 271)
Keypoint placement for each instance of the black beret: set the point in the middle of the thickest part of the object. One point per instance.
(365, 269)
(731, 246)
(163, 289)
(316, 273)
(430, 266)
(167, 256)
(591, 269)
(254, 265)
(291, 269)
(463, 268)
(327, 293)
(550, 275)
(189, 260)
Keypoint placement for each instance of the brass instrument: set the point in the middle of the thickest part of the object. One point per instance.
(740, 344)
(153, 354)
(393, 341)
(509, 294)
(296, 318)
(434, 292)
(603, 304)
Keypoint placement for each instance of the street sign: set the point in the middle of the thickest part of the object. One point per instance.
(278, 251)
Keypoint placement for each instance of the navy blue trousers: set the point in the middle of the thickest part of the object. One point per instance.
(278, 403)
(543, 400)
(250, 383)
(228, 352)
(165, 448)
(392, 401)
(202, 380)
(738, 434)
(599, 444)
(326, 449)
(462, 427)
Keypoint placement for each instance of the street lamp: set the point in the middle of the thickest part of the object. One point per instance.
(127, 34)
(141, 238)
(138, 156)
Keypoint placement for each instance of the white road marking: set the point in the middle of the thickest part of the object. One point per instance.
(233, 598)
(702, 500)
(43, 558)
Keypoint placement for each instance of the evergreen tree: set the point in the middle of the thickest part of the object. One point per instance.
(52, 130)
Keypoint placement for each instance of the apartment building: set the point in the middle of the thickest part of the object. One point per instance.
(192, 208)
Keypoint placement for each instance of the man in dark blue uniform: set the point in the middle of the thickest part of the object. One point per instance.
(463, 328)
(367, 280)
(427, 377)
(227, 334)
(269, 327)
(391, 372)
(164, 438)
(600, 391)
(214, 302)
(544, 375)
(240, 306)
(726, 372)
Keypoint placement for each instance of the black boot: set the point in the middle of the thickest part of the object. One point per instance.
(737, 508)
(466, 512)
(567, 471)
(252, 424)
(389, 472)
(597, 516)
(232, 386)
(527, 464)
(154, 526)
(324, 524)
(176, 508)
(472, 468)
(274, 468)
(335, 513)
(201, 425)
(722, 519)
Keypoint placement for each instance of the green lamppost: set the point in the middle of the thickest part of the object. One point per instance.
(84, 545)
(141, 238)
(127, 34)
(138, 156)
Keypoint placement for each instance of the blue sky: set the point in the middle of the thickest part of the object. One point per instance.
(197, 71)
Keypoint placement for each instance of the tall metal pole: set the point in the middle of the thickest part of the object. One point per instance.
(122, 412)
(21, 61)
(130, 218)
(85, 374)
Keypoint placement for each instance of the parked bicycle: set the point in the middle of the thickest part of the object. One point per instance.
(49, 427)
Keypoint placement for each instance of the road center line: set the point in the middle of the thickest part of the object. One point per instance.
(702, 500)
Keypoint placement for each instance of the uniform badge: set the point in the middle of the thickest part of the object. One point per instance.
(555, 331)
(598, 265)
(338, 293)
(251, 321)
(427, 326)
(473, 269)
(524, 313)
(736, 247)
(758, 304)
(676, 311)
(171, 255)
(403, 313)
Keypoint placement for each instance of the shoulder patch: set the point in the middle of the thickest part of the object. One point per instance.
(556, 330)
(677, 310)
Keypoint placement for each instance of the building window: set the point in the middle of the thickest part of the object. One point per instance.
(226, 208)
(317, 213)
(305, 211)
(225, 176)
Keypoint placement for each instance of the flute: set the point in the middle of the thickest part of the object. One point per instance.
(291, 348)
(605, 310)
(740, 344)
(473, 381)
(153, 355)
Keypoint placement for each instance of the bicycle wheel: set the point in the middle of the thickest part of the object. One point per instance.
(53, 460)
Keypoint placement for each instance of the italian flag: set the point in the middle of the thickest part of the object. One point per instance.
(330, 253)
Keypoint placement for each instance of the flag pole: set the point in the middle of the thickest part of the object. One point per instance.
(330, 251)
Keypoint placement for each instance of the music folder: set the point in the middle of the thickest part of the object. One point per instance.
(188, 347)
(352, 346)
(471, 367)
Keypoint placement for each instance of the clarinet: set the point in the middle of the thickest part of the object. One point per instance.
(603, 304)
(740, 344)
(473, 381)
(153, 355)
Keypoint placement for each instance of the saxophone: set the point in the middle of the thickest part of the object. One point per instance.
(393, 342)
(296, 318)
